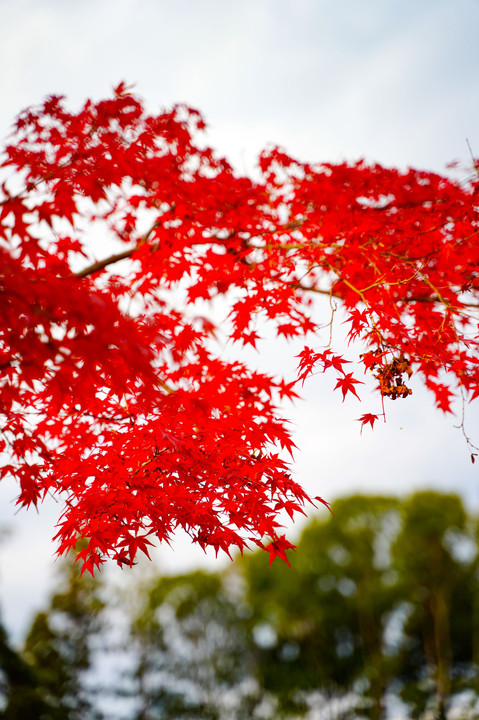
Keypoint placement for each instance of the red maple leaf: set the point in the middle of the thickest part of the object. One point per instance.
(367, 418)
(347, 384)
(278, 547)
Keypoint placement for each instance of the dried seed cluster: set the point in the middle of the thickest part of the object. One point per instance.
(390, 377)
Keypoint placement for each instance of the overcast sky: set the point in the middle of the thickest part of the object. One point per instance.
(389, 81)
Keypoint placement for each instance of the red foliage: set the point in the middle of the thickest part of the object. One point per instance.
(114, 394)
(367, 418)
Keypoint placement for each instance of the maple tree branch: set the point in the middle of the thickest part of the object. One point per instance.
(100, 264)
(33, 185)
(116, 257)
(165, 386)
(416, 298)
(311, 288)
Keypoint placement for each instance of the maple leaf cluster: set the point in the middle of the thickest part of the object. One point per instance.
(116, 225)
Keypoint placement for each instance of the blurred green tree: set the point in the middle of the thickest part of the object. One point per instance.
(381, 601)
(320, 626)
(58, 647)
(193, 657)
(19, 693)
(436, 560)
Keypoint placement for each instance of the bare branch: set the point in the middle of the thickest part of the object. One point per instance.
(101, 264)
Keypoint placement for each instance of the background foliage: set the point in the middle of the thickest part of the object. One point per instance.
(379, 611)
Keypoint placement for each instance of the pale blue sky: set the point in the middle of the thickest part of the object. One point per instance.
(394, 82)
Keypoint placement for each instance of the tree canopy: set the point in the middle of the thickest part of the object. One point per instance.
(119, 231)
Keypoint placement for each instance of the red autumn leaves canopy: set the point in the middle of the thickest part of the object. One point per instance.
(117, 229)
